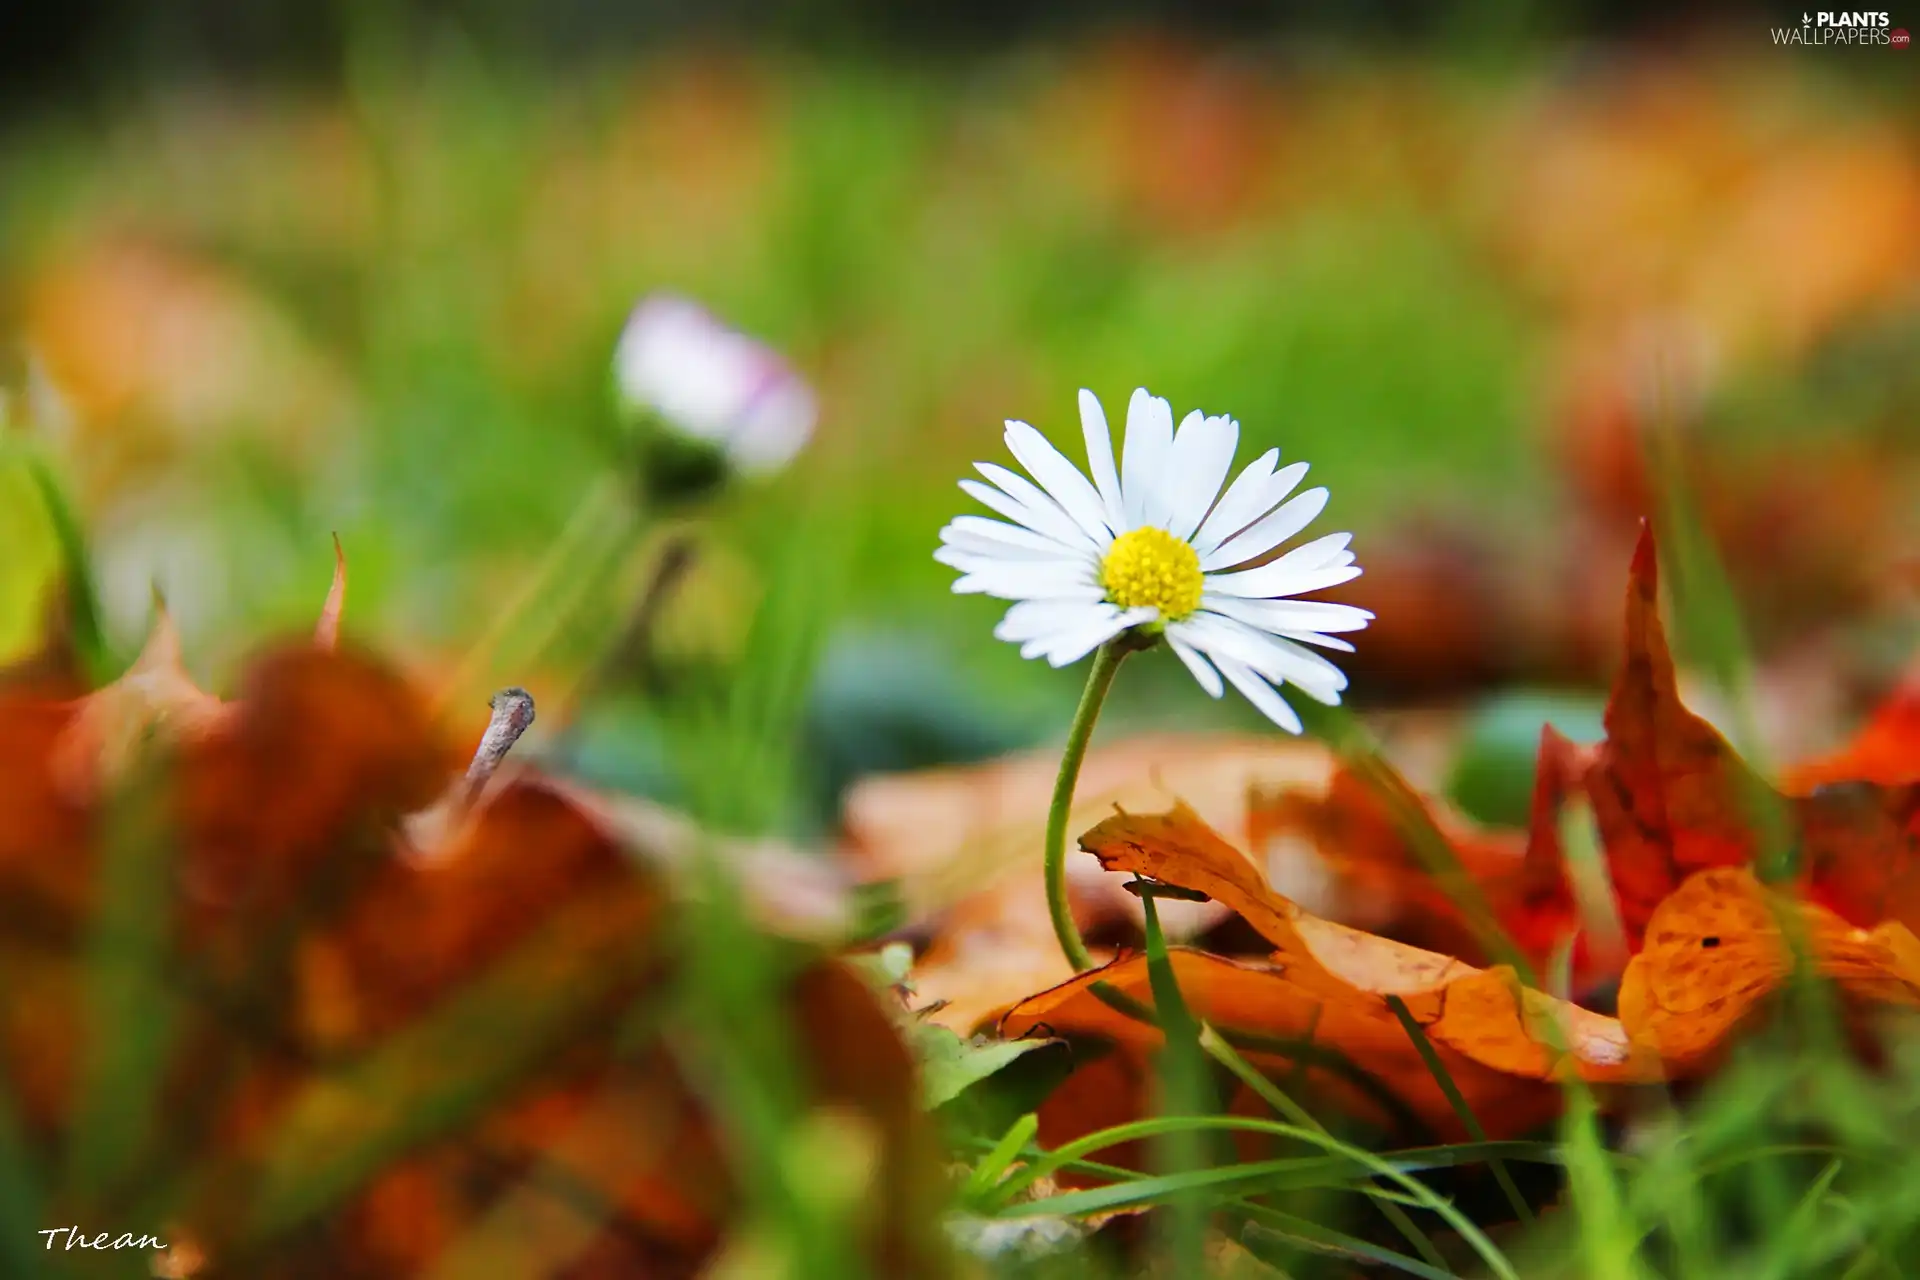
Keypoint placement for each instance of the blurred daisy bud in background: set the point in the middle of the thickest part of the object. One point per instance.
(710, 400)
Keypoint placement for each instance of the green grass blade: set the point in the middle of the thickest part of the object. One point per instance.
(1320, 1238)
(82, 594)
(1270, 1093)
(995, 1163)
(22, 1211)
(131, 1013)
(1184, 1086)
(1457, 1100)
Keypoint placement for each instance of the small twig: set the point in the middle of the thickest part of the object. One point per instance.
(512, 714)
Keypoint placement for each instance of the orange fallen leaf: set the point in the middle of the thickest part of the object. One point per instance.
(1715, 950)
(965, 843)
(1327, 985)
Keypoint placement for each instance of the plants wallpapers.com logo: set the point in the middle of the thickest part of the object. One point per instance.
(1846, 27)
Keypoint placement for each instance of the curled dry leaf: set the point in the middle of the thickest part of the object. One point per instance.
(1715, 949)
(1325, 989)
(966, 845)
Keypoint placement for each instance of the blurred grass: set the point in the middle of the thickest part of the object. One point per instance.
(451, 250)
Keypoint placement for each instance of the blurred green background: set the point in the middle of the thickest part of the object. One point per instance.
(359, 270)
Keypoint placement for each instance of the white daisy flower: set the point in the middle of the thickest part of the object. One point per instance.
(1154, 544)
(712, 384)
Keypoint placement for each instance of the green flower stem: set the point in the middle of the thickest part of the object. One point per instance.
(1106, 661)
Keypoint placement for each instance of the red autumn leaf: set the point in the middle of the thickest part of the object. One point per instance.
(1671, 797)
(1667, 790)
(1885, 752)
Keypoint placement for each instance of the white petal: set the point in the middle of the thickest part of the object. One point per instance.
(1077, 643)
(1321, 579)
(1016, 581)
(1260, 694)
(968, 558)
(1299, 571)
(1093, 422)
(1202, 456)
(1061, 479)
(1269, 532)
(1044, 515)
(974, 545)
(1032, 619)
(979, 529)
(1325, 642)
(1336, 554)
(1253, 493)
(1018, 511)
(1274, 658)
(1143, 459)
(1196, 663)
(1286, 616)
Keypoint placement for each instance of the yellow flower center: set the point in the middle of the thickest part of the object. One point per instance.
(1152, 567)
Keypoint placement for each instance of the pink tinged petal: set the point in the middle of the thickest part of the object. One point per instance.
(1298, 571)
(1061, 479)
(1196, 663)
(1289, 615)
(1106, 478)
(1269, 532)
(1254, 492)
(1044, 514)
(1261, 694)
(1143, 459)
(1202, 456)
